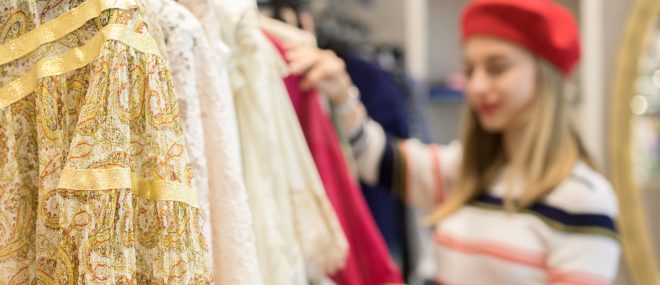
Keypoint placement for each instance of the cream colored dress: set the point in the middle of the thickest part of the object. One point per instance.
(298, 234)
(200, 77)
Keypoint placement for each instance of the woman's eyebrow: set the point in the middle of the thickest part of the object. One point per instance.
(497, 59)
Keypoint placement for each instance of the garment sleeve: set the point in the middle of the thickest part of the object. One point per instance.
(418, 173)
(582, 259)
(585, 249)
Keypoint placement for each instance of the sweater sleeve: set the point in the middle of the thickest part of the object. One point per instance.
(585, 248)
(418, 173)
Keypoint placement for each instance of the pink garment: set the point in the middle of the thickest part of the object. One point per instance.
(369, 262)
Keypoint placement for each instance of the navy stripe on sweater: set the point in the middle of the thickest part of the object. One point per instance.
(559, 215)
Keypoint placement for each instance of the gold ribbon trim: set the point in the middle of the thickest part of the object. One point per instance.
(74, 59)
(166, 191)
(59, 27)
(95, 179)
(118, 178)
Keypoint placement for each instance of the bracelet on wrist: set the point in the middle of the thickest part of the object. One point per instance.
(350, 103)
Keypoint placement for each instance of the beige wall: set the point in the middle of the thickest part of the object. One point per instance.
(385, 17)
(444, 38)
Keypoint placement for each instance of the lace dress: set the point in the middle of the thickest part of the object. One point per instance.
(181, 34)
(297, 231)
(95, 179)
(200, 78)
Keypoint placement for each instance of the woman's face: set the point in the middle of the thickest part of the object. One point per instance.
(501, 81)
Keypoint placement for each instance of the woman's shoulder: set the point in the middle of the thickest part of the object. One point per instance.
(585, 191)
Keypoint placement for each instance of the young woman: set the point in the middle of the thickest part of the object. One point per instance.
(517, 201)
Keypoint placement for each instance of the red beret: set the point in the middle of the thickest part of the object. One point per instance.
(545, 28)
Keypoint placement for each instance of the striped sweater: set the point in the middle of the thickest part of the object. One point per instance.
(568, 237)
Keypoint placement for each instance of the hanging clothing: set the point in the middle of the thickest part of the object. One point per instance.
(390, 59)
(399, 110)
(97, 186)
(568, 237)
(182, 35)
(200, 81)
(369, 261)
(297, 231)
(385, 104)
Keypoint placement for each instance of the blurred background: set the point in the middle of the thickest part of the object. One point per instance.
(414, 45)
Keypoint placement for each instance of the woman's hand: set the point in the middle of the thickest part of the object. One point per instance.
(322, 69)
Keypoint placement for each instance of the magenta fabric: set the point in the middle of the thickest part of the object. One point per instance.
(369, 261)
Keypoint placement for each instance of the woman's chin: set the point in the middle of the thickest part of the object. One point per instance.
(491, 126)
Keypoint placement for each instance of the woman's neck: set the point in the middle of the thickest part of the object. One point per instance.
(511, 141)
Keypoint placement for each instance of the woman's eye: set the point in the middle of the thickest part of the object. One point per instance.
(468, 71)
(497, 69)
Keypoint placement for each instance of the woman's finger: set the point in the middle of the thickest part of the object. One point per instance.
(302, 58)
(300, 65)
(313, 76)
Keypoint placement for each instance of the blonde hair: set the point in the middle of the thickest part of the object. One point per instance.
(549, 149)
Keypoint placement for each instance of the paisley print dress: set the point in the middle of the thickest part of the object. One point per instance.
(95, 183)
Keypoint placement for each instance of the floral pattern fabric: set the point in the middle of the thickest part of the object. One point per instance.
(95, 184)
